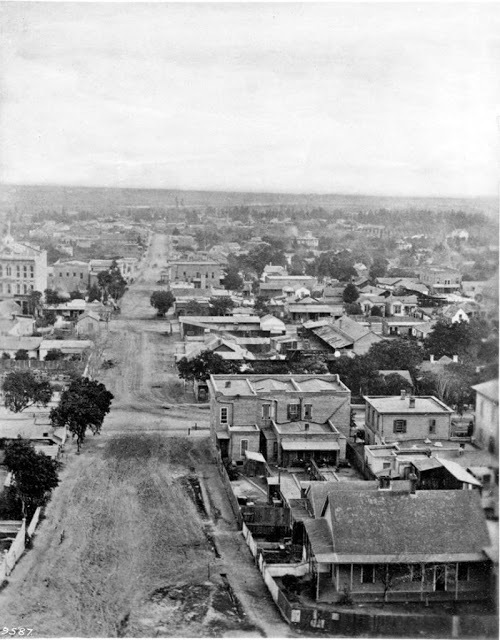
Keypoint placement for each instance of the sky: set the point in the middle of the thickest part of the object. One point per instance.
(382, 99)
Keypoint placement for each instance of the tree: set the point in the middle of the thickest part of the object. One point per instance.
(220, 305)
(376, 311)
(5, 356)
(54, 354)
(204, 365)
(35, 474)
(232, 279)
(112, 281)
(22, 354)
(400, 353)
(76, 295)
(52, 297)
(94, 293)
(392, 385)
(378, 268)
(22, 390)
(162, 301)
(350, 294)
(83, 405)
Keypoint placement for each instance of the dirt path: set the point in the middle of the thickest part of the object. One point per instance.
(124, 548)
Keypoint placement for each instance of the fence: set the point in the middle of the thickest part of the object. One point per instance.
(18, 546)
(227, 485)
(14, 553)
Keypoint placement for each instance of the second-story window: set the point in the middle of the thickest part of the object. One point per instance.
(432, 426)
(293, 411)
(399, 426)
(308, 411)
(223, 415)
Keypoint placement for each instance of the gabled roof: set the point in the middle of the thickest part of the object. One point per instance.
(446, 524)
(488, 389)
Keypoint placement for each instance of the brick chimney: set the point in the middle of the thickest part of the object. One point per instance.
(403, 394)
(431, 358)
(412, 402)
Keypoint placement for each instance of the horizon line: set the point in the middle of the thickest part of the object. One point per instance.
(251, 191)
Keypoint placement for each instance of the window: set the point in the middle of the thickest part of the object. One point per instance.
(266, 412)
(67, 274)
(399, 426)
(243, 447)
(307, 411)
(81, 276)
(432, 426)
(491, 445)
(397, 308)
(386, 465)
(1, 271)
(368, 573)
(18, 288)
(18, 271)
(9, 289)
(8, 271)
(60, 274)
(463, 571)
(74, 274)
(293, 411)
(213, 274)
(223, 415)
(25, 288)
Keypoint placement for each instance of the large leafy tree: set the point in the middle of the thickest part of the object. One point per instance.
(232, 279)
(83, 405)
(35, 474)
(396, 354)
(112, 281)
(204, 365)
(22, 390)
(350, 293)
(194, 308)
(220, 305)
(162, 301)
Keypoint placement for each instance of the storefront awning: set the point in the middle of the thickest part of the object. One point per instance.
(309, 445)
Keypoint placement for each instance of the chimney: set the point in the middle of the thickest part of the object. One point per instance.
(413, 483)
(455, 358)
(412, 402)
(403, 394)
(432, 358)
(306, 426)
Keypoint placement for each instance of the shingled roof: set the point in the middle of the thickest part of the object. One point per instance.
(428, 526)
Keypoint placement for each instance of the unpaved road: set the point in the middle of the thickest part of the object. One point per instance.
(126, 548)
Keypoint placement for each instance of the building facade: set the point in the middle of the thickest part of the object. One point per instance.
(399, 418)
(287, 418)
(23, 269)
(486, 428)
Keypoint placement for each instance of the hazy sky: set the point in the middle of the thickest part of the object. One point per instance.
(396, 99)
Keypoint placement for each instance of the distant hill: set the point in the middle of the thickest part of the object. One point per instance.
(34, 198)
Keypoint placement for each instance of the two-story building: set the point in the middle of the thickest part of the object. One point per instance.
(72, 275)
(399, 418)
(486, 428)
(202, 273)
(441, 280)
(287, 418)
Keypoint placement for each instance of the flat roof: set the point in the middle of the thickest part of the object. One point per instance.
(254, 385)
(398, 405)
(299, 427)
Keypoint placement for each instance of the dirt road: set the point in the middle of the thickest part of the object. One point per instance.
(139, 539)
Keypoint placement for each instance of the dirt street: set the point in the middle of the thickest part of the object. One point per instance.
(139, 539)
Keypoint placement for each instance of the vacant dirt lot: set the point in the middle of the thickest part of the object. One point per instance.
(139, 539)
